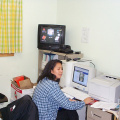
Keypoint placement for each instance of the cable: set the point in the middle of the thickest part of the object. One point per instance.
(93, 64)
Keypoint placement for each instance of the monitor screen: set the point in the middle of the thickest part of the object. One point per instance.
(80, 75)
(51, 35)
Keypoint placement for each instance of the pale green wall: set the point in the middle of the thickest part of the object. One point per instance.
(102, 17)
(26, 63)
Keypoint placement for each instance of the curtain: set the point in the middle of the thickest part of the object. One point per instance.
(10, 26)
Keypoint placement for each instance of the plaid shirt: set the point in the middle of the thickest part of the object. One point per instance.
(48, 97)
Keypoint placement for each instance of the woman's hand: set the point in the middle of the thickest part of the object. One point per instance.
(72, 100)
(88, 100)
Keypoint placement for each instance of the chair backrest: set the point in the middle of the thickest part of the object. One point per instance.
(3, 98)
(21, 109)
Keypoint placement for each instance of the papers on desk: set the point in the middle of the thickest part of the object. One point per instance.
(106, 107)
(113, 112)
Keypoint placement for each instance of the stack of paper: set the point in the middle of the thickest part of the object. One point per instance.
(106, 107)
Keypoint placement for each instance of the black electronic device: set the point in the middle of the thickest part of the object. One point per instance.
(51, 36)
(77, 52)
(64, 49)
(75, 59)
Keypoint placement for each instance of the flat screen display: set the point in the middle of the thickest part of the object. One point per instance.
(80, 76)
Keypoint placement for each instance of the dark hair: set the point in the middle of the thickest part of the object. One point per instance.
(47, 70)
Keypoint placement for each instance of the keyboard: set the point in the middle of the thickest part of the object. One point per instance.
(75, 93)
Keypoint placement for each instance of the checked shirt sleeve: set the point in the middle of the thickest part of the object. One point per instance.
(63, 101)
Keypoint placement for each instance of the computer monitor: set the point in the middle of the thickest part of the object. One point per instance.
(77, 74)
(81, 74)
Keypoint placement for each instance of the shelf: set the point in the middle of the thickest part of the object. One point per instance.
(71, 55)
(61, 56)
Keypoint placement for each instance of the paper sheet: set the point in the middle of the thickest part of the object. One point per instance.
(104, 105)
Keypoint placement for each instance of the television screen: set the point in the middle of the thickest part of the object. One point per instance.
(50, 36)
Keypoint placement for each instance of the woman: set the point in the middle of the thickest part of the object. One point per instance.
(48, 96)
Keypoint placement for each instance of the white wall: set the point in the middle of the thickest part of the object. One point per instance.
(26, 63)
(102, 17)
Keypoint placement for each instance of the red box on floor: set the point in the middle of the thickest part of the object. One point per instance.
(26, 88)
(17, 79)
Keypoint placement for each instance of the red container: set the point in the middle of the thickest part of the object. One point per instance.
(19, 78)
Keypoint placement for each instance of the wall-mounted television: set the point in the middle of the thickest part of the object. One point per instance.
(51, 36)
